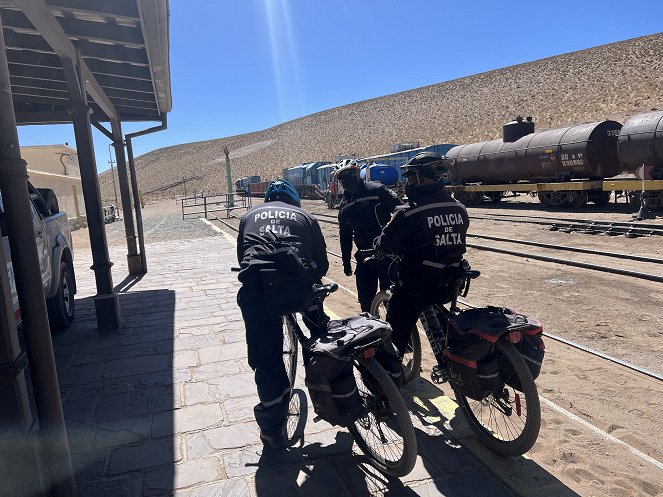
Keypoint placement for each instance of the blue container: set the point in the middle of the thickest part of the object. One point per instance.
(385, 174)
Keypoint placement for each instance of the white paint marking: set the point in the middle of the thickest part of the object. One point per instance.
(601, 433)
(225, 234)
(340, 286)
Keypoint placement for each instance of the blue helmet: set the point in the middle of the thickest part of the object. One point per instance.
(283, 191)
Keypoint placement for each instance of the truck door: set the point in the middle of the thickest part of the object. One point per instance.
(41, 238)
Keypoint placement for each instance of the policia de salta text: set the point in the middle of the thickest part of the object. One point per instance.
(282, 253)
(428, 233)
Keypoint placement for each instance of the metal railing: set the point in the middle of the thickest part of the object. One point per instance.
(201, 205)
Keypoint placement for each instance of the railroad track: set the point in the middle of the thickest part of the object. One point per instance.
(569, 343)
(555, 260)
(630, 230)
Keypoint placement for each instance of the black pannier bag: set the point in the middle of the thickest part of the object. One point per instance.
(471, 354)
(333, 389)
(531, 347)
(329, 369)
(488, 324)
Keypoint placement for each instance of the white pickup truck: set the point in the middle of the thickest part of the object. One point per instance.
(53, 238)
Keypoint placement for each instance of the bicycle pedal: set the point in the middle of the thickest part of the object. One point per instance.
(439, 375)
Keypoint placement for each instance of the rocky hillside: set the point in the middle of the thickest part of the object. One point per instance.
(607, 82)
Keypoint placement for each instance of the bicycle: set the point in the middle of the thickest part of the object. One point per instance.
(383, 430)
(508, 419)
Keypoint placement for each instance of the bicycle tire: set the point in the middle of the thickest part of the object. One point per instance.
(412, 356)
(384, 408)
(290, 356)
(290, 352)
(491, 423)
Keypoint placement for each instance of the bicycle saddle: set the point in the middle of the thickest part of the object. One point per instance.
(321, 291)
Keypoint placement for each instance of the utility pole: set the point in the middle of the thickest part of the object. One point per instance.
(111, 162)
(230, 178)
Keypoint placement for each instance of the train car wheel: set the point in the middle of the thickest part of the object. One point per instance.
(545, 198)
(577, 199)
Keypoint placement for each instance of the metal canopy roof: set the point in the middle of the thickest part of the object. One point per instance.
(124, 50)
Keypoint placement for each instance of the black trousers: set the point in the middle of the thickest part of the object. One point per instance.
(411, 296)
(263, 320)
(367, 276)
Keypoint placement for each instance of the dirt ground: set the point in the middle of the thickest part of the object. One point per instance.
(590, 405)
(600, 434)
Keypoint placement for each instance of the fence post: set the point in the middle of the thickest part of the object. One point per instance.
(205, 203)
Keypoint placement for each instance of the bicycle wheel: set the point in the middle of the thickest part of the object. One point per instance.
(508, 420)
(290, 353)
(290, 350)
(412, 355)
(384, 430)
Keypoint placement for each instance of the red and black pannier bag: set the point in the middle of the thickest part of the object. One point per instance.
(329, 370)
(530, 346)
(473, 364)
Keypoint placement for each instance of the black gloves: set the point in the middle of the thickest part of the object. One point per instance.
(347, 268)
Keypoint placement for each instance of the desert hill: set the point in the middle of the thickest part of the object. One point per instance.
(607, 82)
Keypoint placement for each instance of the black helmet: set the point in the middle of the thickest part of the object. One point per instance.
(429, 165)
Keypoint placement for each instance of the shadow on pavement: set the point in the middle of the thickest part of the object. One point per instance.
(461, 464)
(118, 396)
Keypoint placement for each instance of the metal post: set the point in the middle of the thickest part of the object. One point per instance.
(111, 162)
(205, 203)
(18, 214)
(229, 176)
(137, 205)
(106, 303)
(133, 259)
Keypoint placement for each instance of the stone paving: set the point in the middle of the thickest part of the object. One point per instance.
(163, 406)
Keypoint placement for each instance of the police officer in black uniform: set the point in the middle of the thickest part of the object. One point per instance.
(429, 235)
(273, 238)
(366, 207)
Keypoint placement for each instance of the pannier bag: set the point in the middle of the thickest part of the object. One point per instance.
(333, 389)
(329, 369)
(531, 348)
(472, 357)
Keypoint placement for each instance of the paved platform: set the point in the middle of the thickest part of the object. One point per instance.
(163, 406)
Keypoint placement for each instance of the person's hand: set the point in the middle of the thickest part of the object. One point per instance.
(347, 269)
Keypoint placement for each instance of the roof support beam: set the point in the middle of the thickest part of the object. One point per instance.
(19, 462)
(43, 20)
(133, 258)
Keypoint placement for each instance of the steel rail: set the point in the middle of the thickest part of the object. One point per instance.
(585, 265)
(617, 255)
(590, 221)
(570, 343)
(602, 355)
(567, 262)
(606, 226)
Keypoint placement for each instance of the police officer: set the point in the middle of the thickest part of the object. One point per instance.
(429, 234)
(366, 207)
(282, 253)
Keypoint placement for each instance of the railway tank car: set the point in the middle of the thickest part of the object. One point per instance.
(640, 143)
(584, 151)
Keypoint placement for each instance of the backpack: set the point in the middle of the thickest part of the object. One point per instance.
(271, 263)
(329, 369)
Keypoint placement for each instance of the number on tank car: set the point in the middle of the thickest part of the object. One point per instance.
(612, 132)
(570, 160)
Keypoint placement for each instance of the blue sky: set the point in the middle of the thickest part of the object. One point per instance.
(245, 65)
